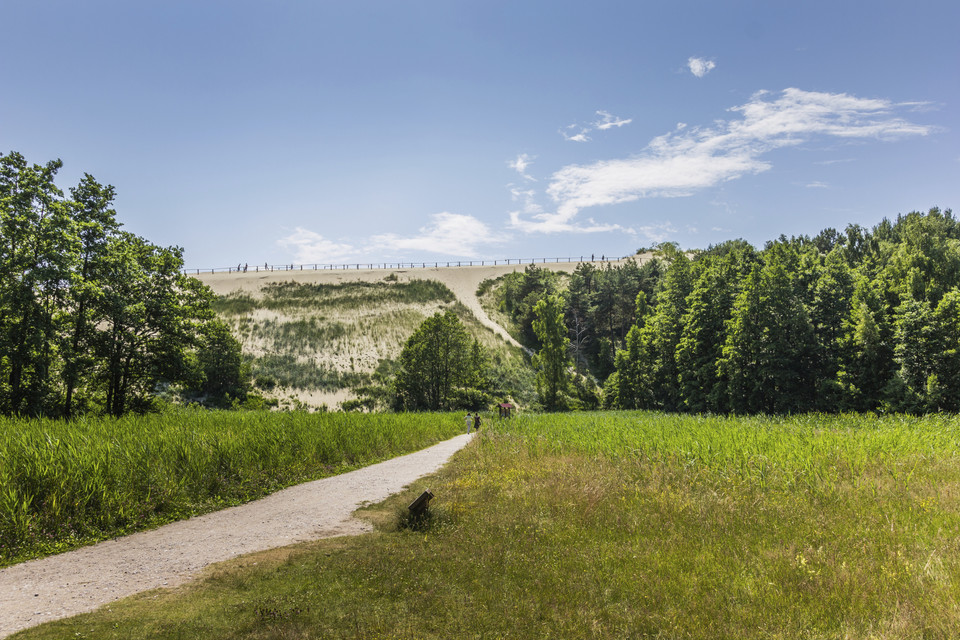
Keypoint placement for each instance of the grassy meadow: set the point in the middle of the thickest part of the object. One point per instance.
(65, 484)
(619, 525)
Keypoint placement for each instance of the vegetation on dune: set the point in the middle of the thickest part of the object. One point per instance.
(63, 484)
(310, 336)
(292, 296)
(353, 335)
(621, 525)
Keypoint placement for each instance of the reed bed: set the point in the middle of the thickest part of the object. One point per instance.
(67, 483)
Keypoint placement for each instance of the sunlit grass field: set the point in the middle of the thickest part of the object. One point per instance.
(620, 525)
(63, 484)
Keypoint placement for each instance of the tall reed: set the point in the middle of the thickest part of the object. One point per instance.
(63, 483)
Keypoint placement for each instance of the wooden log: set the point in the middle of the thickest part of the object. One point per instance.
(418, 506)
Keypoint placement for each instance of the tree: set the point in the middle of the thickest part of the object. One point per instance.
(767, 361)
(660, 336)
(36, 247)
(552, 360)
(90, 317)
(520, 293)
(152, 317)
(222, 375)
(440, 368)
(95, 223)
(866, 357)
(832, 296)
(708, 308)
(913, 352)
(946, 357)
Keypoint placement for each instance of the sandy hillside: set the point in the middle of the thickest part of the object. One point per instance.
(365, 334)
(462, 281)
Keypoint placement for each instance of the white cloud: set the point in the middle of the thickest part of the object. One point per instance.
(700, 66)
(520, 166)
(448, 233)
(310, 247)
(608, 121)
(817, 184)
(580, 136)
(657, 232)
(531, 218)
(689, 159)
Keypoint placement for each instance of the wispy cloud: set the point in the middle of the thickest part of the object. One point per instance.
(579, 136)
(448, 233)
(689, 159)
(608, 121)
(817, 184)
(578, 132)
(309, 247)
(657, 232)
(532, 218)
(700, 66)
(520, 166)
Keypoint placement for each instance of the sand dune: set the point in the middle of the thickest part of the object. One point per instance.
(462, 281)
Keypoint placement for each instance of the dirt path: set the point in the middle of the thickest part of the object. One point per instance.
(83, 580)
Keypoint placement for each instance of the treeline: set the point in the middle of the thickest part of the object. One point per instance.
(859, 320)
(94, 318)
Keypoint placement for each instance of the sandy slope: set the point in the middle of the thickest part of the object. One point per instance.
(463, 281)
(83, 580)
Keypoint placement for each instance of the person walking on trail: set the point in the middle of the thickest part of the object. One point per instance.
(468, 421)
(476, 422)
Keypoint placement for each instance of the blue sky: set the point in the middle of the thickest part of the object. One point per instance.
(372, 131)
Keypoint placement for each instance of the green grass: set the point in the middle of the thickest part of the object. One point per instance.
(293, 296)
(64, 484)
(620, 525)
(287, 371)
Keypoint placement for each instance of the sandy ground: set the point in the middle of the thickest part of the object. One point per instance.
(79, 581)
(462, 281)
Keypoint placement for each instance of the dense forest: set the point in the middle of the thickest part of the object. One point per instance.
(859, 320)
(94, 318)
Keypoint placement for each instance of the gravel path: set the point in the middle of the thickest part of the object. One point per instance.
(83, 580)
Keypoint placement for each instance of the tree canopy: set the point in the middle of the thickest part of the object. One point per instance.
(441, 368)
(92, 318)
(861, 320)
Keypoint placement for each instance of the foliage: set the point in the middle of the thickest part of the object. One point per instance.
(864, 320)
(552, 360)
(221, 375)
(519, 295)
(66, 483)
(91, 317)
(440, 368)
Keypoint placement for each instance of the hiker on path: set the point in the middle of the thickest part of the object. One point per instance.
(468, 421)
(476, 422)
